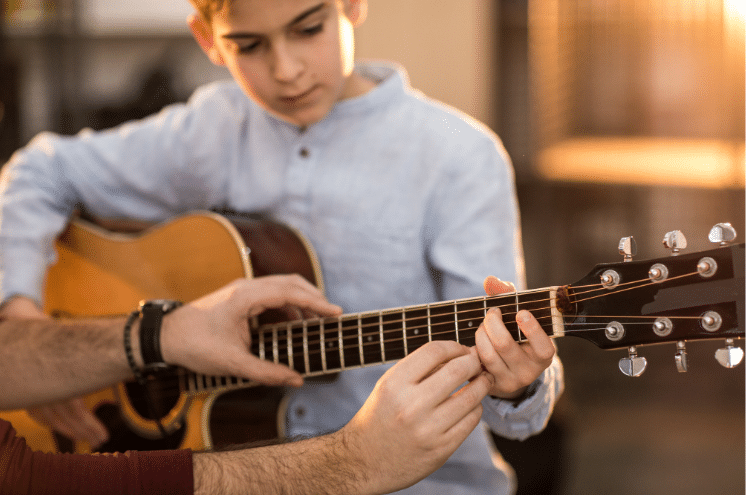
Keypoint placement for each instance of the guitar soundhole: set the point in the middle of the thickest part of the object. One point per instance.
(245, 416)
(152, 401)
(121, 438)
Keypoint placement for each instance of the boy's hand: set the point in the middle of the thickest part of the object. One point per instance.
(514, 366)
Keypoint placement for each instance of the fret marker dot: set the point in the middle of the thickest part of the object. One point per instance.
(471, 324)
(370, 338)
(416, 331)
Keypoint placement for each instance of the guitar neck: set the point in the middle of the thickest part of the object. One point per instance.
(330, 345)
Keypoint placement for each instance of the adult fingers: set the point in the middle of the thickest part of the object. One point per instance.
(463, 402)
(286, 290)
(266, 372)
(442, 383)
(423, 361)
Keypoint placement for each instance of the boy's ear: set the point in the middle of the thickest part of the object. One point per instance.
(202, 33)
(356, 11)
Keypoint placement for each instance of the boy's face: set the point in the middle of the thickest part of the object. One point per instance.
(293, 57)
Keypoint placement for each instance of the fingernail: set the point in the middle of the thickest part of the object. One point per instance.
(522, 316)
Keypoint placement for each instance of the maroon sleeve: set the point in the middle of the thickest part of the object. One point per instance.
(23, 471)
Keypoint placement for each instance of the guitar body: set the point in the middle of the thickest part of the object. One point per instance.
(101, 273)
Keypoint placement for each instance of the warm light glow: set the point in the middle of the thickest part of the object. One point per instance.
(735, 8)
(646, 161)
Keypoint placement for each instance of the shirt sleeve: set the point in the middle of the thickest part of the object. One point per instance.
(146, 170)
(23, 471)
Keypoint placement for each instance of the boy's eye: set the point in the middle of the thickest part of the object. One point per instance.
(311, 30)
(248, 48)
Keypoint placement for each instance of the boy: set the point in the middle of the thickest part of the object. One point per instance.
(405, 201)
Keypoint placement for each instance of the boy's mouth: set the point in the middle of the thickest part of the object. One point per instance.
(295, 99)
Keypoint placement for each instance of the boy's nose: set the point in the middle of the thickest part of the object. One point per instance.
(287, 66)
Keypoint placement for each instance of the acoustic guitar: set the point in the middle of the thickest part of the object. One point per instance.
(615, 306)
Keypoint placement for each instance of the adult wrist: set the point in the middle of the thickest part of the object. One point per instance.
(151, 321)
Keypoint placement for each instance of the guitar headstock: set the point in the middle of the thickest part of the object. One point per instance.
(678, 298)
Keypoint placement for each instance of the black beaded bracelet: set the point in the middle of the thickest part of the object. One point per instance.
(128, 344)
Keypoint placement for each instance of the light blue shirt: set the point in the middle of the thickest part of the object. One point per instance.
(405, 200)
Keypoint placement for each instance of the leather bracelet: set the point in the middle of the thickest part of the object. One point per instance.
(128, 344)
(150, 330)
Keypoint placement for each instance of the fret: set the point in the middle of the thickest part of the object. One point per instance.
(275, 350)
(455, 320)
(322, 349)
(341, 345)
(360, 339)
(380, 336)
(289, 337)
(394, 344)
(404, 331)
(418, 330)
(429, 326)
(262, 351)
(468, 318)
(441, 322)
(305, 347)
(373, 350)
(351, 346)
(539, 303)
(516, 312)
(331, 339)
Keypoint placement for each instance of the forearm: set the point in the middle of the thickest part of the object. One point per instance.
(315, 465)
(47, 360)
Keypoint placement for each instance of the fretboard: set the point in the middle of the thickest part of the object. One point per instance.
(333, 344)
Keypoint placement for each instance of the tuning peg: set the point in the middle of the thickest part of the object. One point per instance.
(729, 356)
(682, 365)
(675, 241)
(627, 247)
(722, 233)
(633, 365)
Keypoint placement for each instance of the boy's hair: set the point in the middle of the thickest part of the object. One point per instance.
(207, 7)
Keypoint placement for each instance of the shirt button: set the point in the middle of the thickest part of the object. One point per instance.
(300, 411)
(304, 152)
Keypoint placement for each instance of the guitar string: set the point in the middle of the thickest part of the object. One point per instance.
(334, 349)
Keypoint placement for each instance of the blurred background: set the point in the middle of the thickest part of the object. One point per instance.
(622, 117)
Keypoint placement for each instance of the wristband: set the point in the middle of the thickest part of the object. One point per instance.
(150, 330)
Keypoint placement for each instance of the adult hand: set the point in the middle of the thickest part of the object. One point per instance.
(514, 366)
(71, 417)
(211, 335)
(413, 420)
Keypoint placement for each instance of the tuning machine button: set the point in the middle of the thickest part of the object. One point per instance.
(711, 321)
(662, 327)
(675, 241)
(722, 233)
(682, 365)
(610, 279)
(707, 267)
(633, 365)
(627, 247)
(658, 273)
(729, 356)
